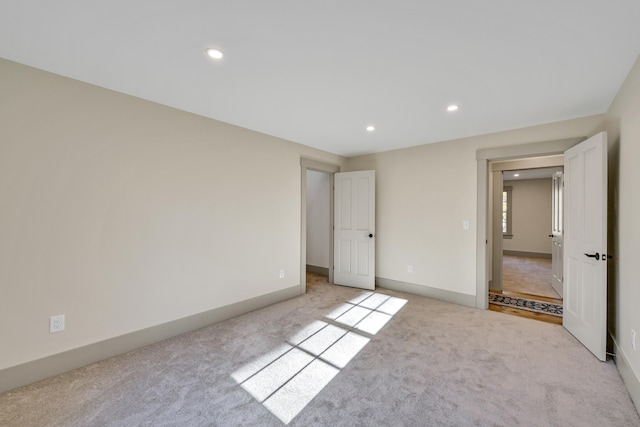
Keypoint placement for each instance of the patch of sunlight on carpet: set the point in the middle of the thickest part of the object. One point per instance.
(373, 322)
(374, 301)
(250, 369)
(288, 401)
(321, 341)
(275, 375)
(392, 305)
(287, 378)
(341, 353)
(307, 331)
(353, 316)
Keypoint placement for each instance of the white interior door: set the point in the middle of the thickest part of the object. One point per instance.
(557, 230)
(354, 229)
(585, 243)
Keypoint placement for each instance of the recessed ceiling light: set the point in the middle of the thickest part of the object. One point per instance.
(215, 53)
(371, 128)
(452, 107)
(516, 174)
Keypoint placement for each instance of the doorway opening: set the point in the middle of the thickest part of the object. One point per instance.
(585, 232)
(316, 222)
(527, 238)
(486, 158)
(318, 229)
(531, 223)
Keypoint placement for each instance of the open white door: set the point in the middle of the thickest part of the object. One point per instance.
(585, 243)
(557, 230)
(354, 229)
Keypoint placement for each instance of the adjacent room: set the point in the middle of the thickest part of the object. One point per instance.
(528, 214)
(293, 213)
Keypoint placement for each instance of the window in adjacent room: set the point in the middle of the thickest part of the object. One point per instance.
(506, 212)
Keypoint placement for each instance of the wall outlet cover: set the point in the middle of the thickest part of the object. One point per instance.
(56, 323)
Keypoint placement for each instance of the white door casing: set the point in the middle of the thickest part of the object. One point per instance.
(498, 188)
(557, 229)
(585, 243)
(354, 229)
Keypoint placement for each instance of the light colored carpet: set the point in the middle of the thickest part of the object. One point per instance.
(527, 276)
(432, 364)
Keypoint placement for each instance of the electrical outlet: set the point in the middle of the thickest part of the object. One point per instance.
(282, 273)
(633, 339)
(409, 268)
(56, 323)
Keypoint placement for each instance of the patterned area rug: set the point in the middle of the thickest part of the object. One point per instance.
(526, 304)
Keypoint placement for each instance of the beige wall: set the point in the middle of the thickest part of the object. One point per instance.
(123, 214)
(425, 193)
(623, 124)
(531, 216)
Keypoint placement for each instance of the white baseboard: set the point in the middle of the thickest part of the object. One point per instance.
(631, 380)
(426, 291)
(30, 372)
(527, 254)
(323, 271)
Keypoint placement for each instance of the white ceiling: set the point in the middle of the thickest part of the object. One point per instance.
(318, 72)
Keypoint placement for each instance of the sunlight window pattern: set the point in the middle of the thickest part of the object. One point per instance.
(286, 379)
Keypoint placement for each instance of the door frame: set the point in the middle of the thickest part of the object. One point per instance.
(483, 157)
(496, 168)
(307, 164)
(497, 189)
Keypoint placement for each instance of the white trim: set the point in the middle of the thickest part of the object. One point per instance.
(527, 254)
(482, 278)
(427, 291)
(496, 247)
(483, 157)
(535, 149)
(630, 378)
(30, 372)
(323, 271)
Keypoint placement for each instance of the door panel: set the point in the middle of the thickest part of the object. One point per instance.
(585, 240)
(354, 233)
(363, 257)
